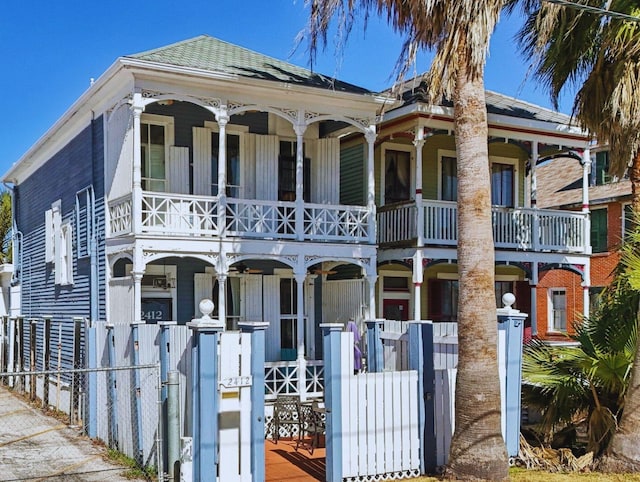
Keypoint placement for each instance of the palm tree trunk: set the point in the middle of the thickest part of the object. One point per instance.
(623, 453)
(477, 448)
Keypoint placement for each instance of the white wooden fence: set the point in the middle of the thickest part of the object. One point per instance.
(379, 421)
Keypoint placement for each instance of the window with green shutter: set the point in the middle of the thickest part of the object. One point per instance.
(600, 174)
(599, 230)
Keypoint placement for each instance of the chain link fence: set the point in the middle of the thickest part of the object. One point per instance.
(119, 407)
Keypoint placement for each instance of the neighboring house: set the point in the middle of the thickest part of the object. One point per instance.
(416, 193)
(560, 292)
(200, 170)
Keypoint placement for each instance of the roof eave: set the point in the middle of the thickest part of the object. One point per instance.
(496, 121)
(145, 65)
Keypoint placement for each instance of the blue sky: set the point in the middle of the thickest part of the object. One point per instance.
(51, 50)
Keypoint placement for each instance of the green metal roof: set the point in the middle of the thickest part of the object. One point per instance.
(214, 55)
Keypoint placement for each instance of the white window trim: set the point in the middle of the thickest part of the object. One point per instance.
(516, 174)
(52, 220)
(550, 324)
(492, 159)
(443, 153)
(169, 127)
(64, 256)
(389, 146)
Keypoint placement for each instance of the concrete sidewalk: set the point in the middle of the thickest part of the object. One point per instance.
(36, 447)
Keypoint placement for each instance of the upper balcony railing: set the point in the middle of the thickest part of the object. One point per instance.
(186, 215)
(513, 228)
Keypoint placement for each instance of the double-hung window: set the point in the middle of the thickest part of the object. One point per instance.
(449, 178)
(287, 173)
(502, 184)
(558, 310)
(397, 176)
(156, 135)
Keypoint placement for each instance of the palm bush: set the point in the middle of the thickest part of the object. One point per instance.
(584, 384)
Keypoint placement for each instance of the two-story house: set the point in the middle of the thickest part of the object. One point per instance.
(205, 170)
(200, 170)
(416, 194)
(560, 303)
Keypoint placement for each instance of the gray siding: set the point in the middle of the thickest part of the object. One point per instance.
(75, 167)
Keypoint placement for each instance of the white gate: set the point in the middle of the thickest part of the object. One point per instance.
(379, 420)
(235, 407)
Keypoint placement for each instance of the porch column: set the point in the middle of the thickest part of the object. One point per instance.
(223, 118)
(586, 284)
(534, 182)
(419, 143)
(534, 299)
(586, 166)
(222, 299)
(371, 281)
(137, 295)
(299, 129)
(136, 196)
(370, 136)
(417, 285)
(302, 364)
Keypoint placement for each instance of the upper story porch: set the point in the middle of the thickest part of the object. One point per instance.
(168, 214)
(179, 166)
(432, 222)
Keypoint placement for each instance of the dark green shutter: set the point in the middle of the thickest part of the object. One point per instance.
(599, 230)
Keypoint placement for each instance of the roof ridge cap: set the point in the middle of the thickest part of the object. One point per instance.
(165, 47)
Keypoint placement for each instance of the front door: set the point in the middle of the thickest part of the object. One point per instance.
(395, 310)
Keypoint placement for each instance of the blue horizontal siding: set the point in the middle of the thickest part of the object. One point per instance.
(75, 167)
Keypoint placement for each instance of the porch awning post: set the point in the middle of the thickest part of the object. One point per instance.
(299, 129)
(302, 366)
(533, 187)
(419, 143)
(136, 217)
(586, 167)
(222, 298)
(223, 119)
(370, 136)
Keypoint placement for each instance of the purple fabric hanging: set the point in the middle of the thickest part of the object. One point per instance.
(357, 353)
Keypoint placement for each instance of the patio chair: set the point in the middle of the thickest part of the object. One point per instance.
(285, 416)
(312, 426)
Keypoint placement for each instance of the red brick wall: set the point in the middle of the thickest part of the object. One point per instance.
(603, 264)
(558, 278)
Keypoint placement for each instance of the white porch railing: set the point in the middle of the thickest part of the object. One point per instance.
(513, 228)
(262, 219)
(185, 215)
(282, 377)
(120, 215)
(179, 214)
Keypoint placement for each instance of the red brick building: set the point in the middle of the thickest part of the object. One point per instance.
(560, 297)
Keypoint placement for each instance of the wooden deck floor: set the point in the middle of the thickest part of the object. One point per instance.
(283, 463)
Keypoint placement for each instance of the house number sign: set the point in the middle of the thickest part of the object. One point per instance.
(236, 382)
